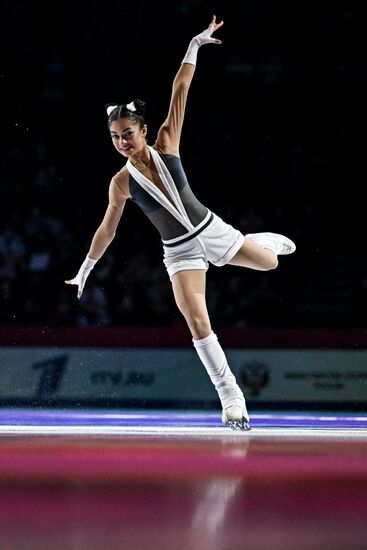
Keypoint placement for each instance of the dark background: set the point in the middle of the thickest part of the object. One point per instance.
(274, 140)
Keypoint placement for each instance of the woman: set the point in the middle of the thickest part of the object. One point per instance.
(193, 236)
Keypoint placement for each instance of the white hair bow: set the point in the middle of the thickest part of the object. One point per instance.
(131, 106)
(110, 108)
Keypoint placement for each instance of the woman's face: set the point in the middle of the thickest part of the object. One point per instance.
(127, 136)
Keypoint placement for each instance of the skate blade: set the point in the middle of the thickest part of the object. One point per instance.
(242, 425)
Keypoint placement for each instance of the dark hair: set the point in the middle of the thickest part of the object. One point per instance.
(122, 111)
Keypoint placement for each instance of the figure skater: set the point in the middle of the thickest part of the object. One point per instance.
(192, 235)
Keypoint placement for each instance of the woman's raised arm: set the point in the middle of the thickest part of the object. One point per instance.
(168, 139)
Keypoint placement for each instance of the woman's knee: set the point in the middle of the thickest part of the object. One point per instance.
(198, 323)
(199, 326)
(272, 262)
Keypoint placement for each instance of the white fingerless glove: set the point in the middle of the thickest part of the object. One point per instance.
(198, 40)
(82, 274)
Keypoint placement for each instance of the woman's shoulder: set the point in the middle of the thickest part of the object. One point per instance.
(165, 151)
(121, 179)
(121, 175)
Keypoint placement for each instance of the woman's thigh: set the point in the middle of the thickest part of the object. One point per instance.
(253, 256)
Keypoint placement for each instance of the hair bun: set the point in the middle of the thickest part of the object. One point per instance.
(139, 107)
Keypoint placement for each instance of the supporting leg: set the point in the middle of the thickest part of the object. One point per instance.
(232, 399)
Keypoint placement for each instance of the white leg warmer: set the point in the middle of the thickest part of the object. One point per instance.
(214, 360)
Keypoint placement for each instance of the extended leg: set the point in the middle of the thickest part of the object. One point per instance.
(260, 251)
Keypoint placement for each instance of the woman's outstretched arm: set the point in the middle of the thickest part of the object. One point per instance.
(168, 139)
(102, 237)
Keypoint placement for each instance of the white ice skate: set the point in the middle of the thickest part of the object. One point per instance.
(236, 418)
(230, 394)
(280, 244)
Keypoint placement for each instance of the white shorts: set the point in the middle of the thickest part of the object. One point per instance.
(217, 243)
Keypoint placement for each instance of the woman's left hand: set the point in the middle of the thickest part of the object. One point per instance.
(205, 37)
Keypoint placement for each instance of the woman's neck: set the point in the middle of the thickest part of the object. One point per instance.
(141, 160)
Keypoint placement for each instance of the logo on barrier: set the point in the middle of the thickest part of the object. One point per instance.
(52, 371)
(119, 378)
(255, 376)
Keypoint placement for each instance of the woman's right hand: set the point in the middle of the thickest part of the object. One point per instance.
(82, 275)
